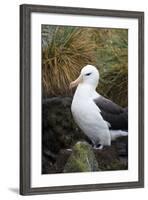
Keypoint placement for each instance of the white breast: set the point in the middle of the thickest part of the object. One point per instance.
(87, 116)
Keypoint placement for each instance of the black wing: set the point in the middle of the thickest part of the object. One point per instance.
(113, 113)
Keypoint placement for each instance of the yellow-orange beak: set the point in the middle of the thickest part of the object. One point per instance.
(76, 82)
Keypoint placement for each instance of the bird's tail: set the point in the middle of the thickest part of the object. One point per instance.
(117, 133)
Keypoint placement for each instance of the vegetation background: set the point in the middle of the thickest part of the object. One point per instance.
(66, 49)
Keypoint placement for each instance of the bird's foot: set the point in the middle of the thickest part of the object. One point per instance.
(69, 149)
(98, 146)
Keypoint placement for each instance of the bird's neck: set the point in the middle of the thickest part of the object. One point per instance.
(84, 91)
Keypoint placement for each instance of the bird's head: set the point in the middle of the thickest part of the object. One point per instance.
(88, 75)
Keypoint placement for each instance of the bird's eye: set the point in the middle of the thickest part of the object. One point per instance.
(87, 74)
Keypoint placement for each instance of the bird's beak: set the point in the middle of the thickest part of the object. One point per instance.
(76, 82)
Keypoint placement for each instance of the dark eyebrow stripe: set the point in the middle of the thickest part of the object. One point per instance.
(88, 74)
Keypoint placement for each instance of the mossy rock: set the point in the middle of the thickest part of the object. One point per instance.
(82, 159)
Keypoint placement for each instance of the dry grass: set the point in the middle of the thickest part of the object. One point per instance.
(70, 49)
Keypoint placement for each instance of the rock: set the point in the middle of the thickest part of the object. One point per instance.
(59, 164)
(114, 157)
(82, 159)
(122, 146)
(62, 158)
(47, 165)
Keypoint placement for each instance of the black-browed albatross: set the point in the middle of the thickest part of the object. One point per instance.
(98, 117)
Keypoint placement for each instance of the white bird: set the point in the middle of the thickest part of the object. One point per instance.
(99, 118)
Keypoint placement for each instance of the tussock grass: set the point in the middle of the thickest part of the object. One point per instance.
(112, 58)
(114, 85)
(70, 49)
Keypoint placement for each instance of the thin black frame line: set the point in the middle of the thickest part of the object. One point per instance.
(25, 98)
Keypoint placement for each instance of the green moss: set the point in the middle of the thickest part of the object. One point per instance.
(82, 159)
(109, 159)
(114, 165)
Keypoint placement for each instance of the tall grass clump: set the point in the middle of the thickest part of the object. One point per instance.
(112, 59)
(65, 50)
